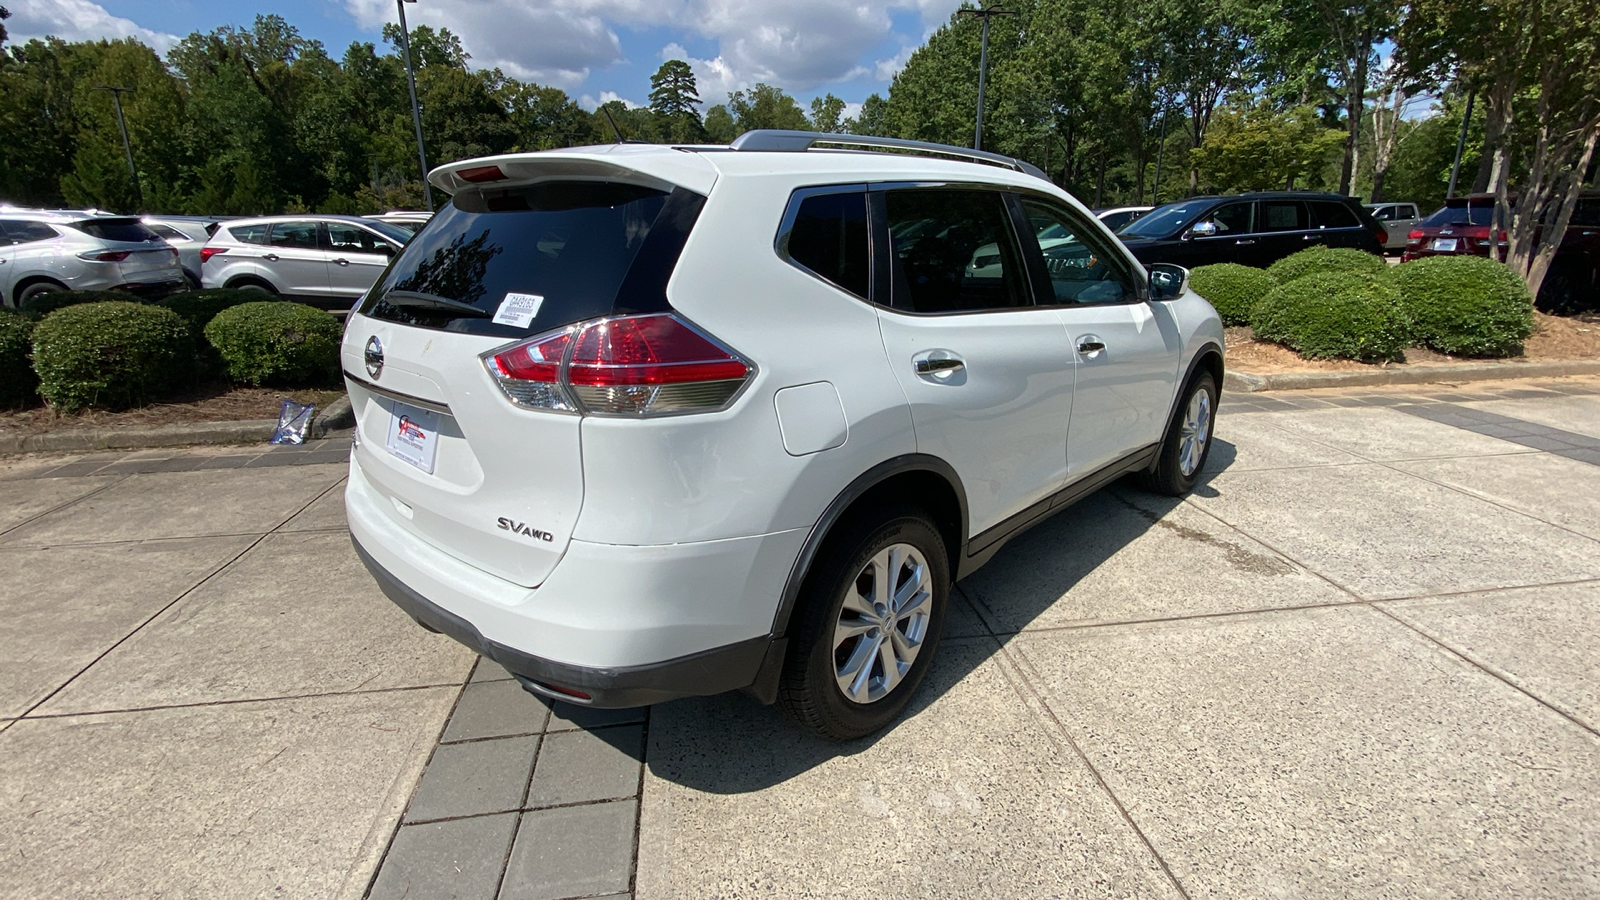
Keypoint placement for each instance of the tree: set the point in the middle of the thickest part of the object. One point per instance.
(429, 48)
(720, 126)
(545, 117)
(1209, 49)
(1509, 49)
(826, 112)
(673, 98)
(1251, 146)
(4, 15)
(935, 97)
(765, 106)
(871, 121)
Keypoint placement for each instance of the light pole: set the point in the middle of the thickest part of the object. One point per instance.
(127, 148)
(416, 111)
(983, 62)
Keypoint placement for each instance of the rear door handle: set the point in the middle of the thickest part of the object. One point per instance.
(938, 366)
(342, 262)
(1089, 346)
(271, 257)
(1241, 243)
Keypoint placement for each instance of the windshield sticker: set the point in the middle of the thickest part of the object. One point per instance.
(518, 309)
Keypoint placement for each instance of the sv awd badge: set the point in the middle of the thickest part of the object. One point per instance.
(519, 528)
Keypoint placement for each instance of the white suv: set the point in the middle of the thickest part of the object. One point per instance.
(642, 422)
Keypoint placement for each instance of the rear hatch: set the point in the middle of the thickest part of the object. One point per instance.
(528, 244)
(140, 254)
(1461, 226)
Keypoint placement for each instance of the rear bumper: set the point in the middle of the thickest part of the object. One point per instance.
(627, 625)
(708, 672)
(151, 290)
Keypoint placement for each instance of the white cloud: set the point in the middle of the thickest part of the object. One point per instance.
(887, 69)
(794, 44)
(557, 43)
(77, 20)
(592, 103)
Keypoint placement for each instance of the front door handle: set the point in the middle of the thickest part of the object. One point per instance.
(1242, 243)
(271, 257)
(1090, 346)
(342, 262)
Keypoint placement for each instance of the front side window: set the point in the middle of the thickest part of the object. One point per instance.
(1081, 269)
(952, 251)
(1384, 213)
(294, 235)
(1232, 218)
(1283, 215)
(828, 238)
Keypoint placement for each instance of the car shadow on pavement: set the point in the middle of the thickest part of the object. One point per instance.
(729, 744)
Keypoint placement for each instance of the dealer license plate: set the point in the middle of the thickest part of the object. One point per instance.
(1444, 245)
(413, 435)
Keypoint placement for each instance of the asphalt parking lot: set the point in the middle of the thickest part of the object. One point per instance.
(1360, 661)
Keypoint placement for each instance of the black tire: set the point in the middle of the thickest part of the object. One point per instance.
(37, 288)
(1168, 475)
(810, 691)
(256, 287)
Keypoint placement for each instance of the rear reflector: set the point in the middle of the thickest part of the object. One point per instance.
(627, 366)
(480, 174)
(208, 252)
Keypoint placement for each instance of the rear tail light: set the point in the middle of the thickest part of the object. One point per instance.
(646, 365)
(1381, 233)
(480, 174)
(1415, 236)
(106, 255)
(208, 252)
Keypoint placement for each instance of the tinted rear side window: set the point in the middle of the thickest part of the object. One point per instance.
(28, 232)
(1328, 214)
(952, 251)
(585, 249)
(129, 230)
(249, 234)
(1283, 215)
(829, 238)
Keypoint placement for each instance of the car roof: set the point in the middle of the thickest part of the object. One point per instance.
(302, 217)
(59, 216)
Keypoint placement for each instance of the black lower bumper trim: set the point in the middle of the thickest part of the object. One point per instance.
(709, 672)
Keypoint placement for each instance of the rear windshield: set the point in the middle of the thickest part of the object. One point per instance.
(562, 251)
(130, 230)
(1475, 214)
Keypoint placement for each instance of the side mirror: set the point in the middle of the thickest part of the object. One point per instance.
(1167, 281)
(1207, 228)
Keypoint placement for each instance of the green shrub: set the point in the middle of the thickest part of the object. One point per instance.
(272, 342)
(18, 385)
(1465, 305)
(197, 309)
(41, 305)
(1335, 315)
(1232, 289)
(110, 355)
(1313, 260)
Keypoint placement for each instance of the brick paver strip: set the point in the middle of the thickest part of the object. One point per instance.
(496, 709)
(474, 778)
(463, 859)
(573, 851)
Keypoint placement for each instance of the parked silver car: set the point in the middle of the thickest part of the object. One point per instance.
(410, 220)
(185, 234)
(60, 250)
(325, 261)
(1396, 218)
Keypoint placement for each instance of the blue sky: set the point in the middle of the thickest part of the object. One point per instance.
(593, 49)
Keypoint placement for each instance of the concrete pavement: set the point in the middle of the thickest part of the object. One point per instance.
(1358, 661)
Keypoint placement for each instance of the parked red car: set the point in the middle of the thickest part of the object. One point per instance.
(1463, 226)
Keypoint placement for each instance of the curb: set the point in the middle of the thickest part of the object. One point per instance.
(1249, 383)
(339, 417)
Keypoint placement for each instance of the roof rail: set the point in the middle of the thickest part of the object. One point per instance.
(773, 140)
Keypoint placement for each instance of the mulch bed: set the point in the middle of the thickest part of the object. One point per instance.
(1554, 338)
(208, 403)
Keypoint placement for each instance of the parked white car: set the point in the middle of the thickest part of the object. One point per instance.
(1118, 217)
(641, 422)
(409, 219)
(187, 235)
(61, 250)
(326, 261)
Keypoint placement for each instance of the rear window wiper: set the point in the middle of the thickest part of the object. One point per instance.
(432, 301)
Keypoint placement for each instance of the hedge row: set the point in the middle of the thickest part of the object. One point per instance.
(1336, 303)
(105, 350)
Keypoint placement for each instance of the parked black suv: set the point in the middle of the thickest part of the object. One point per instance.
(1253, 229)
